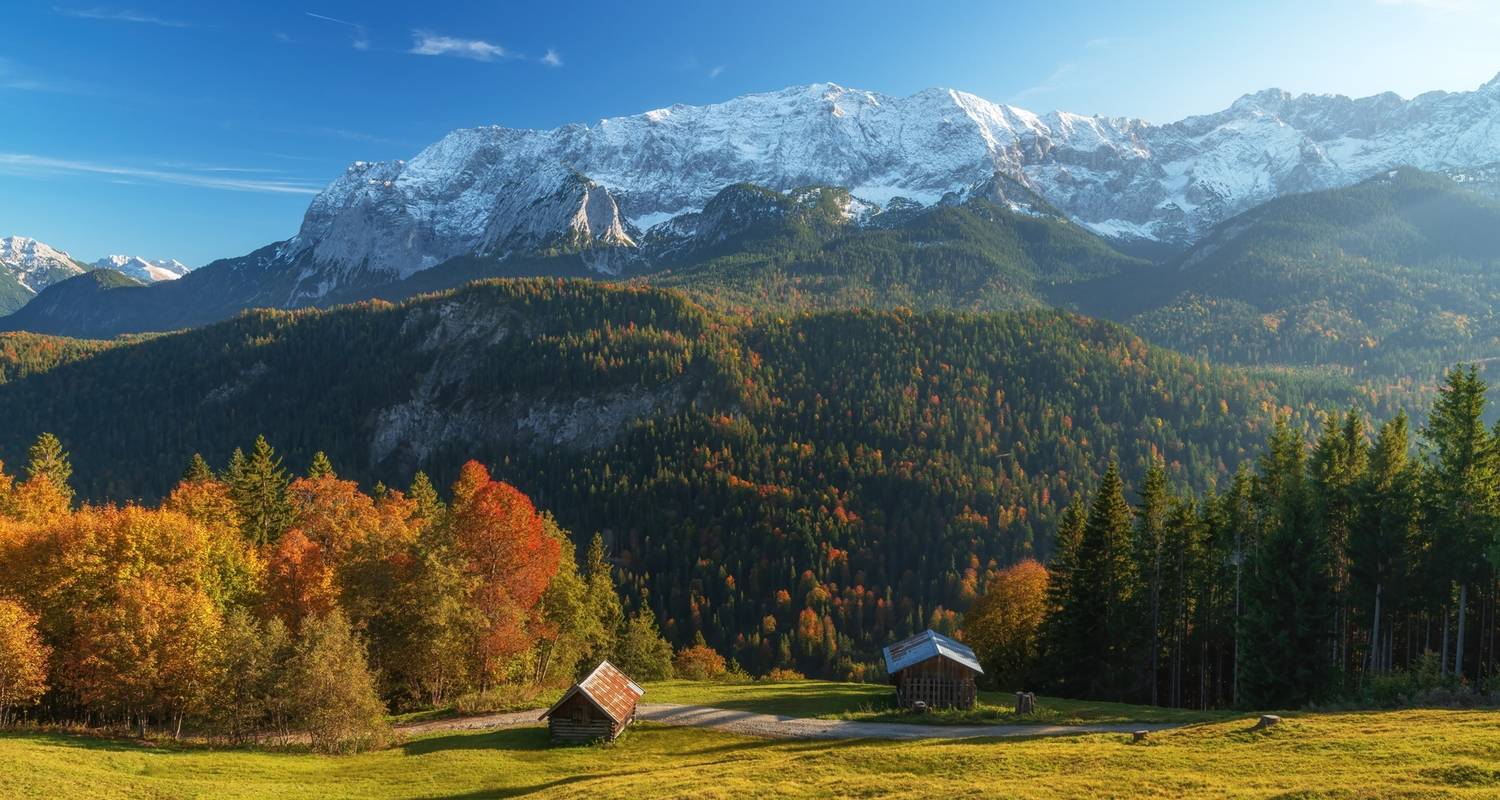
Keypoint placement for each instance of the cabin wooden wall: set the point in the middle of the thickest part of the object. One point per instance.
(938, 682)
(579, 721)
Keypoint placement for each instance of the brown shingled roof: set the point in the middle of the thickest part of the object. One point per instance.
(607, 688)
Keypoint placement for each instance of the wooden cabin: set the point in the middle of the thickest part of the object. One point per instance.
(933, 670)
(597, 708)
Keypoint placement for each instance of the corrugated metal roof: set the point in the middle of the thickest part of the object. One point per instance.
(925, 645)
(609, 689)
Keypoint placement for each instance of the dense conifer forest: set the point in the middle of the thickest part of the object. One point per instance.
(798, 489)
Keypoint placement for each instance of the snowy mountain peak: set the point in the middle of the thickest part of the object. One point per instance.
(592, 188)
(144, 270)
(35, 265)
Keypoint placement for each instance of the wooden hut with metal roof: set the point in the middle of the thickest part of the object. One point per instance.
(595, 708)
(934, 670)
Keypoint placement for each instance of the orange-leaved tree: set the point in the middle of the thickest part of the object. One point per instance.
(23, 659)
(1003, 624)
(299, 580)
(503, 543)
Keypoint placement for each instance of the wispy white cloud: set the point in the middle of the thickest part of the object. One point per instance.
(34, 165)
(427, 43)
(1048, 84)
(361, 39)
(551, 59)
(690, 63)
(16, 78)
(121, 15)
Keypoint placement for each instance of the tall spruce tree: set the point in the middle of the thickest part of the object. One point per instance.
(1383, 542)
(197, 470)
(1287, 628)
(1337, 465)
(258, 484)
(49, 461)
(1150, 538)
(320, 466)
(1058, 638)
(1104, 630)
(1461, 496)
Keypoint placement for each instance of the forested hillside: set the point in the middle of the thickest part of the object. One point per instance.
(1340, 567)
(798, 488)
(1398, 274)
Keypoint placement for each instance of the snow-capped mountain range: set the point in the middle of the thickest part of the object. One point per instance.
(34, 265)
(600, 188)
(145, 270)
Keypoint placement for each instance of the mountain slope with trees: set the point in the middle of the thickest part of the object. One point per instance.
(798, 489)
(1394, 275)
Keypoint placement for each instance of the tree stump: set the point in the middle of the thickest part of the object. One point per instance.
(1266, 721)
(919, 707)
(1025, 703)
(1139, 736)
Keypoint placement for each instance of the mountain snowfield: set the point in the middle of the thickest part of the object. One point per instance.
(34, 265)
(599, 188)
(145, 270)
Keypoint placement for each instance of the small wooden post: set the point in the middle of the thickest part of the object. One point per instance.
(919, 707)
(1139, 736)
(1266, 721)
(1025, 703)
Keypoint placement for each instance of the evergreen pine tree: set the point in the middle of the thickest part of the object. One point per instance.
(1287, 629)
(258, 486)
(1102, 611)
(1150, 534)
(422, 492)
(642, 653)
(603, 601)
(320, 467)
(1058, 639)
(198, 470)
(49, 461)
(1383, 542)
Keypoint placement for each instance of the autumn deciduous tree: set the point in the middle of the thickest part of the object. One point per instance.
(236, 569)
(1003, 625)
(299, 582)
(500, 537)
(149, 653)
(699, 662)
(249, 670)
(332, 690)
(23, 660)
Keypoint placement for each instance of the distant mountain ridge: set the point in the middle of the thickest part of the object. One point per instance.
(483, 190)
(145, 270)
(617, 198)
(28, 266)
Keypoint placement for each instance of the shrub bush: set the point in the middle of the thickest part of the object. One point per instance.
(699, 663)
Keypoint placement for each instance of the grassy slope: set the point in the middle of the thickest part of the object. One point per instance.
(872, 702)
(1378, 755)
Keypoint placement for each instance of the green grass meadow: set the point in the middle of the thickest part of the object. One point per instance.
(1394, 754)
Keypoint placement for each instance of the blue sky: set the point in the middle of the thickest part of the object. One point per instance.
(199, 130)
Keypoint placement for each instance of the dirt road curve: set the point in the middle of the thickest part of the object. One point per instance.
(770, 726)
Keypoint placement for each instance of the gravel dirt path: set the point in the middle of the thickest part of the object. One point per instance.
(771, 726)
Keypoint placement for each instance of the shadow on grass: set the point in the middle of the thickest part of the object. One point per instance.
(103, 744)
(501, 739)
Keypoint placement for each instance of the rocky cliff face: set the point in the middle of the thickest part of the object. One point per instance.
(495, 190)
(33, 264)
